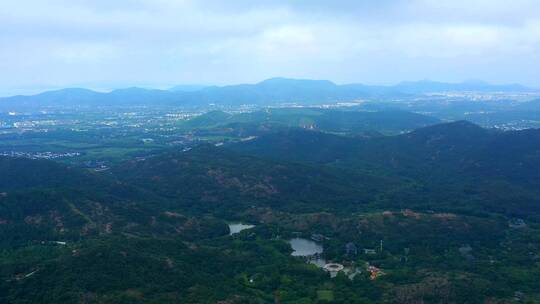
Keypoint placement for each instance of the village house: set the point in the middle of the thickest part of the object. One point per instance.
(369, 251)
(351, 249)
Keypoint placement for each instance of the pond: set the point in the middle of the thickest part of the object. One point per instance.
(237, 227)
(305, 247)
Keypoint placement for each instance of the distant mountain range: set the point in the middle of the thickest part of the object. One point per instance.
(268, 92)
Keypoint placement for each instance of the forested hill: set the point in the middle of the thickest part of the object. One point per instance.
(452, 166)
(461, 145)
(460, 161)
(442, 167)
(22, 173)
(44, 200)
(334, 121)
(429, 142)
(213, 179)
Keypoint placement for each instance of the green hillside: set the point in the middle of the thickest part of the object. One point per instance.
(449, 211)
(334, 121)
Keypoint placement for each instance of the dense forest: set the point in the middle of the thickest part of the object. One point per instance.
(440, 212)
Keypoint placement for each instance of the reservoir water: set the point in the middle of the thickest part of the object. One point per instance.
(304, 247)
(237, 227)
(312, 251)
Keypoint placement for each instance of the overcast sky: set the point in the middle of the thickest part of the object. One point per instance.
(107, 44)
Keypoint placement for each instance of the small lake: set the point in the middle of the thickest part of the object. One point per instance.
(305, 247)
(237, 227)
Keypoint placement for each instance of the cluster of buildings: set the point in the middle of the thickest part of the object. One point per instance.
(517, 223)
(375, 272)
(348, 268)
(351, 250)
(40, 155)
(96, 165)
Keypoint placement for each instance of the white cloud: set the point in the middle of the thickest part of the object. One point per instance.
(204, 41)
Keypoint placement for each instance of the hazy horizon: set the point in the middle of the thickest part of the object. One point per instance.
(103, 89)
(159, 44)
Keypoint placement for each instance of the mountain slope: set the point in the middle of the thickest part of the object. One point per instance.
(209, 178)
(23, 173)
(45, 201)
(454, 165)
(299, 145)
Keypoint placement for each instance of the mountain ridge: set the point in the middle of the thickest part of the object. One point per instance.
(267, 92)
